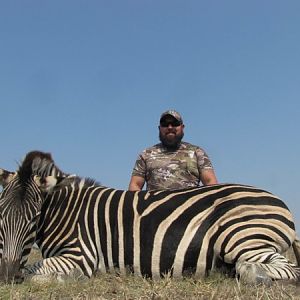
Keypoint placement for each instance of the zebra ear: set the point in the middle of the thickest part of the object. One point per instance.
(46, 184)
(6, 177)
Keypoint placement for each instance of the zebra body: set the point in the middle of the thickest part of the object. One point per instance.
(158, 232)
(85, 226)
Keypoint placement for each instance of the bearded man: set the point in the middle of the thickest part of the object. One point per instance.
(173, 163)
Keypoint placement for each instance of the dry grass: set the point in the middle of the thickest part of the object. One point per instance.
(129, 287)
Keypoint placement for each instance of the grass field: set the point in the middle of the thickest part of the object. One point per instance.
(112, 286)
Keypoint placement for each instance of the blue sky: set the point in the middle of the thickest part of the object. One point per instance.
(88, 80)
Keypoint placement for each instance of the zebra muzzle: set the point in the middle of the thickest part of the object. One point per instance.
(10, 272)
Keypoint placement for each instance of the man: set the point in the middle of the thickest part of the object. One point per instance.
(172, 164)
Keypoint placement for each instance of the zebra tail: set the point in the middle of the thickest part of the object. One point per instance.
(296, 248)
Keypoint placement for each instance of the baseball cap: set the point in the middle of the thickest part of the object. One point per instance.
(172, 113)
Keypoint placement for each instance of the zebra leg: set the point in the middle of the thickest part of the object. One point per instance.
(265, 269)
(54, 269)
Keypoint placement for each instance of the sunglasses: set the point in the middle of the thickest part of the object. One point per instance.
(174, 123)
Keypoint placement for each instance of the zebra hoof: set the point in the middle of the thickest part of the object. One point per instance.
(253, 274)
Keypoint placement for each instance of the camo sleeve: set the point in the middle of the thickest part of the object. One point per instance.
(139, 168)
(203, 160)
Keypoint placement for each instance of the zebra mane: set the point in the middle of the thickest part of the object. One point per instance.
(71, 180)
(91, 181)
(76, 179)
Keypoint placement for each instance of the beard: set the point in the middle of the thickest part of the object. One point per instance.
(171, 143)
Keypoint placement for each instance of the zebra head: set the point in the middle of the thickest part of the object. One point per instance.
(20, 206)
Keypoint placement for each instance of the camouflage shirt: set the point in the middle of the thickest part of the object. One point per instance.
(165, 169)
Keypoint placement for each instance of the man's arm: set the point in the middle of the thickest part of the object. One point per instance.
(208, 177)
(136, 183)
(206, 171)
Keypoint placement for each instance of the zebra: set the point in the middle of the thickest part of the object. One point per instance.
(82, 226)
